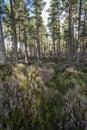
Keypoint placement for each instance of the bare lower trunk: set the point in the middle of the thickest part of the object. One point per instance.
(84, 45)
(54, 44)
(79, 22)
(14, 36)
(38, 42)
(2, 47)
(69, 33)
(58, 44)
(25, 44)
(37, 31)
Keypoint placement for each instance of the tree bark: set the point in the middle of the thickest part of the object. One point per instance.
(37, 31)
(79, 22)
(58, 45)
(54, 51)
(83, 39)
(2, 47)
(69, 32)
(25, 44)
(14, 36)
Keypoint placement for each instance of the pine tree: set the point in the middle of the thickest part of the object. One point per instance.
(2, 47)
(54, 25)
(14, 34)
(38, 6)
(79, 25)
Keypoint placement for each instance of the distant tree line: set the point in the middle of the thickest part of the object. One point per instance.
(23, 33)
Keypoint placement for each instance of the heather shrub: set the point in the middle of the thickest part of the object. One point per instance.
(72, 85)
(25, 100)
(67, 79)
(20, 104)
(29, 102)
(74, 113)
(20, 100)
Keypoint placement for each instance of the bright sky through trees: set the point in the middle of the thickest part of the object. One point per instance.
(45, 13)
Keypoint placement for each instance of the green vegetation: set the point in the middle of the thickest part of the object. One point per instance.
(29, 102)
(43, 65)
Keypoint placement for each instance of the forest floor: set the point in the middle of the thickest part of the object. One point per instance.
(52, 94)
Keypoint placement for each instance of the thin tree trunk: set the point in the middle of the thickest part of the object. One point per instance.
(69, 33)
(79, 22)
(20, 49)
(38, 38)
(83, 47)
(58, 46)
(73, 44)
(25, 44)
(2, 47)
(34, 47)
(14, 36)
(54, 44)
(44, 49)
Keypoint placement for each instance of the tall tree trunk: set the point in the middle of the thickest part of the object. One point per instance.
(69, 32)
(19, 39)
(83, 46)
(34, 48)
(58, 18)
(44, 49)
(25, 44)
(2, 47)
(79, 23)
(73, 44)
(14, 36)
(37, 31)
(54, 51)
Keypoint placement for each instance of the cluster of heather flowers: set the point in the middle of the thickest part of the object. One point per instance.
(74, 111)
(20, 102)
(27, 103)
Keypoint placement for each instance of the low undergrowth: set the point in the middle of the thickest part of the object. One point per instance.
(35, 98)
(71, 82)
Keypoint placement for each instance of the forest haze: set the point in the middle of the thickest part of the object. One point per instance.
(43, 68)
